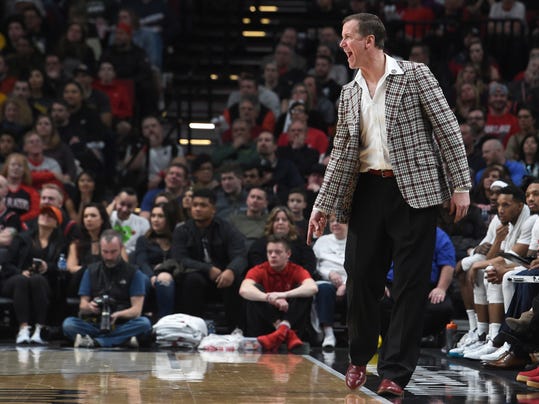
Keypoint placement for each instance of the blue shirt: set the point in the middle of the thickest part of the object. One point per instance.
(444, 254)
(137, 287)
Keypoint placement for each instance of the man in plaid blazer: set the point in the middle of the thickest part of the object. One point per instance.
(397, 154)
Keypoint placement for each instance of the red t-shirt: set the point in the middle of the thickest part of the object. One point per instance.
(273, 281)
(503, 126)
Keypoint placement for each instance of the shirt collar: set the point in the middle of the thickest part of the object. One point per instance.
(392, 67)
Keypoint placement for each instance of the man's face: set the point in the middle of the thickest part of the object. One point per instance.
(498, 101)
(525, 120)
(270, 72)
(508, 209)
(121, 38)
(257, 201)
(467, 136)
(53, 66)
(153, 131)
(353, 44)
(59, 114)
(248, 87)
(296, 134)
(106, 72)
(21, 89)
(283, 56)
(296, 203)
(265, 144)
(251, 178)
(490, 153)
(202, 210)
(240, 129)
(322, 67)
(33, 144)
(7, 144)
(111, 252)
(247, 111)
(125, 205)
(50, 196)
(532, 198)
(476, 119)
(175, 178)
(230, 183)
(277, 255)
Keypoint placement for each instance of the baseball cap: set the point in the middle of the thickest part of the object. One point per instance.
(54, 211)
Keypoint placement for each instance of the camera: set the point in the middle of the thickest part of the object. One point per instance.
(104, 302)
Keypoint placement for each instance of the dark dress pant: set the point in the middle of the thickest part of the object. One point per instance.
(384, 228)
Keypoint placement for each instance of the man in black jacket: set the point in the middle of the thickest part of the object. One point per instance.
(212, 254)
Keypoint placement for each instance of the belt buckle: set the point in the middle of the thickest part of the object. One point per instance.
(383, 173)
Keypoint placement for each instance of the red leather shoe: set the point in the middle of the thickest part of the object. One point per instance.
(271, 342)
(525, 375)
(389, 387)
(356, 376)
(292, 340)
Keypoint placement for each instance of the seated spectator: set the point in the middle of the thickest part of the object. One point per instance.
(124, 287)
(15, 117)
(493, 153)
(467, 98)
(86, 190)
(10, 224)
(54, 148)
(230, 195)
(203, 171)
(280, 174)
(298, 149)
(329, 250)
(280, 222)
(529, 155)
(150, 162)
(212, 255)
(338, 72)
(43, 169)
(297, 203)
(85, 251)
(31, 272)
(240, 150)
(8, 145)
(251, 223)
(314, 138)
(526, 122)
(316, 118)
(41, 92)
(22, 197)
(176, 182)
(125, 221)
(268, 100)
(271, 81)
(153, 254)
(439, 307)
(500, 123)
(250, 110)
(278, 296)
(120, 97)
(72, 48)
(95, 99)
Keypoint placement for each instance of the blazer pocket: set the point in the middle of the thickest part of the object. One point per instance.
(425, 158)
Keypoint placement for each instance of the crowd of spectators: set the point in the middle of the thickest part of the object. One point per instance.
(82, 142)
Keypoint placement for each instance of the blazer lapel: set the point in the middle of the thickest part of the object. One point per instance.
(396, 85)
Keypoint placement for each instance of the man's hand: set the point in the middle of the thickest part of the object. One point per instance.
(460, 201)
(317, 224)
(225, 279)
(214, 273)
(281, 304)
(437, 295)
(502, 231)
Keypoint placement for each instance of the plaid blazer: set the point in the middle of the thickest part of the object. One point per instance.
(424, 142)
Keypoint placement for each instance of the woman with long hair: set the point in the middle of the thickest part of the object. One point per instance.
(86, 190)
(280, 222)
(41, 91)
(152, 255)
(22, 198)
(529, 154)
(31, 272)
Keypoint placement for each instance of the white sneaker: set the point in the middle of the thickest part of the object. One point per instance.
(486, 349)
(329, 341)
(469, 337)
(84, 342)
(473, 340)
(133, 343)
(497, 354)
(23, 337)
(36, 336)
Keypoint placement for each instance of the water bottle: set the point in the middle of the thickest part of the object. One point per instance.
(62, 263)
(450, 335)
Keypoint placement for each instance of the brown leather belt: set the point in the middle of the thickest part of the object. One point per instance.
(382, 173)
